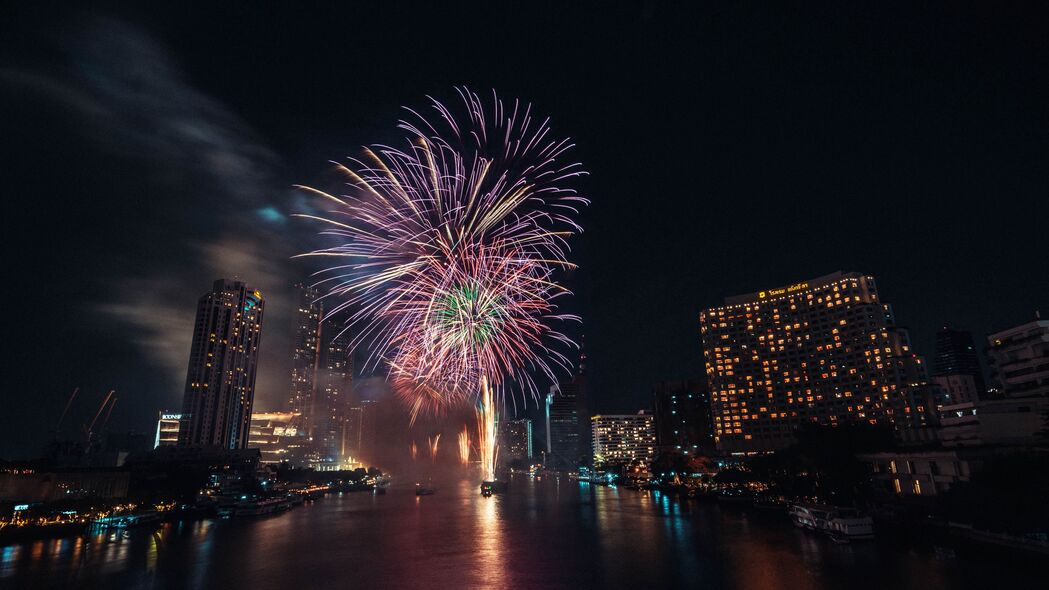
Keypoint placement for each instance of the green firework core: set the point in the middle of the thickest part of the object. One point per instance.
(469, 314)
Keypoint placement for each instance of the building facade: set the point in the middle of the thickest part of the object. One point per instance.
(515, 444)
(621, 439)
(566, 424)
(959, 389)
(1019, 359)
(683, 420)
(358, 442)
(305, 355)
(923, 473)
(826, 350)
(278, 437)
(167, 429)
(335, 391)
(956, 355)
(220, 382)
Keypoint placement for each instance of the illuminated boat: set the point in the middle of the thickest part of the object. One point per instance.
(421, 491)
(493, 487)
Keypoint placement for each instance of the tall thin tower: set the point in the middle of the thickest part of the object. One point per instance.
(220, 382)
(305, 356)
(336, 397)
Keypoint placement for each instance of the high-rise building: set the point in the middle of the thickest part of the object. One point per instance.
(167, 430)
(682, 413)
(515, 445)
(567, 426)
(359, 433)
(220, 382)
(825, 350)
(1019, 358)
(335, 401)
(623, 438)
(955, 354)
(305, 355)
(566, 423)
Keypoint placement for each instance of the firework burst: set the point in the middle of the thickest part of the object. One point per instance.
(447, 251)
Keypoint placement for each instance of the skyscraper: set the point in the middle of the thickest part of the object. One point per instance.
(335, 401)
(826, 350)
(359, 434)
(567, 426)
(220, 382)
(620, 439)
(305, 355)
(682, 412)
(955, 354)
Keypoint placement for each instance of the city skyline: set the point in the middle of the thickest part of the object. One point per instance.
(631, 295)
(934, 201)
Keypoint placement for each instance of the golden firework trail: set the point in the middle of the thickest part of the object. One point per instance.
(464, 446)
(434, 441)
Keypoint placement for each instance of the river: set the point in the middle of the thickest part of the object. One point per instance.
(551, 533)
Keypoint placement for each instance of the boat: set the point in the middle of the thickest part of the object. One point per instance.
(840, 523)
(493, 487)
(380, 491)
(848, 524)
(421, 491)
(809, 516)
(261, 506)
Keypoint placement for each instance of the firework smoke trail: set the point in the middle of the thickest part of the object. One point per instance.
(434, 441)
(464, 446)
(446, 252)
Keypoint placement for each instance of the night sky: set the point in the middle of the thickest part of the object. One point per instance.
(146, 152)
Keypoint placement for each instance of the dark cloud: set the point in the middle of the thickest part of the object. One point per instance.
(167, 190)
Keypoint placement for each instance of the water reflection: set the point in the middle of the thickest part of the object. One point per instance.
(491, 562)
(553, 533)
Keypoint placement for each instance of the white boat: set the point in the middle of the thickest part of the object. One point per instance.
(848, 524)
(842, 524)
(809, 516)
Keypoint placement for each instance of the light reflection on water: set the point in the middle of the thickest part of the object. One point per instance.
(555, 533)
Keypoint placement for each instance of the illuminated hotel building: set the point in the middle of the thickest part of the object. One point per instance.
(220, 382)
(623, 438)
(825, 350)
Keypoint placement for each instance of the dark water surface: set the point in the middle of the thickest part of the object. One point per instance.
(542, 534)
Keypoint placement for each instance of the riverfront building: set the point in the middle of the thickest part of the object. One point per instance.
(220, 382)
(826, 350)
(515, 445)
(620, 439)
(683, 421)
